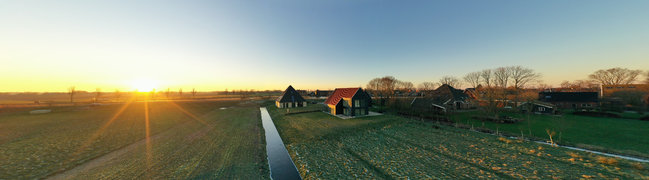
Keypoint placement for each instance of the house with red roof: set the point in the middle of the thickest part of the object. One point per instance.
(349, 102)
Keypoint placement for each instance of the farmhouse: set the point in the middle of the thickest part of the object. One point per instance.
(290, 98)
(443, 99)
(610, 90)
(349, 102)
(571, 100)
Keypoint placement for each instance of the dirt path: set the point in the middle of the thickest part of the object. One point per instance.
(101, 160)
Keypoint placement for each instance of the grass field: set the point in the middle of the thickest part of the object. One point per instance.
(186, 140)
(393, 147)
(625, 136)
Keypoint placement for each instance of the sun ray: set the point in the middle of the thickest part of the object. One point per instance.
(99, 131)
(148, 136)
(188, 113)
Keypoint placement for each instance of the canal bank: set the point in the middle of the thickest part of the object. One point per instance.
(279, 161)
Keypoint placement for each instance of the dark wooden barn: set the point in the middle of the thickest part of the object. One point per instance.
(443, 99)
(571, 100)
(290, 98)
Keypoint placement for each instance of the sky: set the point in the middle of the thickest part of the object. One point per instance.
(254, 44)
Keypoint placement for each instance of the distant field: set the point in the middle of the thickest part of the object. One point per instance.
(83, 97)
(393, 147)
(627, 136)
(76, 142)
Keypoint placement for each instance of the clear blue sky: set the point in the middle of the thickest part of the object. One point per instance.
(213, 45)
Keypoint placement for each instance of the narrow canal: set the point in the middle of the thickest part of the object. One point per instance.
(280, 163)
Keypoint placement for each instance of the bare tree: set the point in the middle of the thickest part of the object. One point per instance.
(487, 77)
(586, 84)
(193, 93)
(383, 87)
(152, 93)
(501, 76)
(405, 86)
(427, 86)
(579, 84)
(521, 76)
(473, 79)
(388, 84)
(646, 81)
(451, 81)
(180, 93)
(543, 86)
(488, 91)
(97, 94)
(71, 92)
(566, 84)
(373, 85)
(615, 76)
(117, 94)
(168, 93)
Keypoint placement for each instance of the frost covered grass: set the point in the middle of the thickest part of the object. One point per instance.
(395, 147)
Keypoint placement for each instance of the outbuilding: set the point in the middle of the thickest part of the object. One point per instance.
(290, 98)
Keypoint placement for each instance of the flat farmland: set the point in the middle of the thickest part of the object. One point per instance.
(194, 139)
(386, 147)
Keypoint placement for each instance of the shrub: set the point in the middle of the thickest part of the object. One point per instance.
(574, 155)
(607, 161)
(646, 118)
(638, 166)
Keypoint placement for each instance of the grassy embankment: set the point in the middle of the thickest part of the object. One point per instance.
(386, 146)
(209, 143)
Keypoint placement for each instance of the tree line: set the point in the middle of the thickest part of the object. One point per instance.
(503, 86)
(513, 77)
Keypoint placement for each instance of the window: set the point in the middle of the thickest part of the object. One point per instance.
(357, 103)
(541, 109)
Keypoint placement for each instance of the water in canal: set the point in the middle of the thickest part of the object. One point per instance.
(281, 165)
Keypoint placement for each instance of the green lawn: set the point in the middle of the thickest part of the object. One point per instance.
(228, 143)
(383, 147)
(631, 115)
(314, 125)
(626, 136)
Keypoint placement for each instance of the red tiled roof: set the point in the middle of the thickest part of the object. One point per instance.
(341, 93)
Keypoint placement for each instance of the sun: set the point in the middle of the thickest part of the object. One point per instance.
(144, 85)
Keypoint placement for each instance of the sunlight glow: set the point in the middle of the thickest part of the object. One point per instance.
(144, 85)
